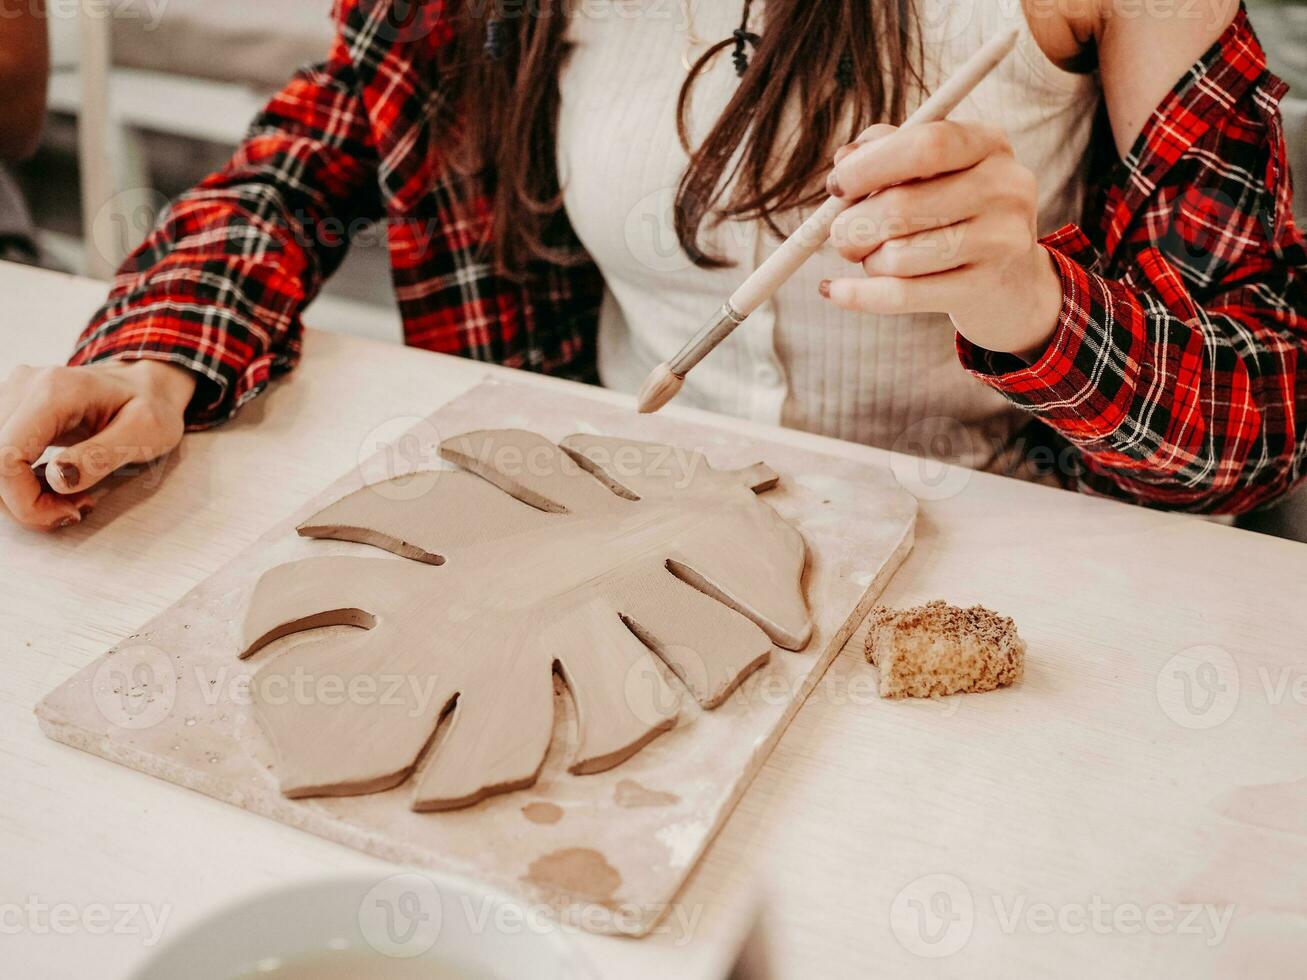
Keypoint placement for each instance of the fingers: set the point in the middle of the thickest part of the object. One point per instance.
(922, 254)
(137, 434)
(914, 153)
(937, 293)
(907, 209)
(38, 406)
(950, 247)
(942, 218)
(28, 500)
(868, 135)
(109, 415)
(84, 502)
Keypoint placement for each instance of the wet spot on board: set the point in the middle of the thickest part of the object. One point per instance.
(542, 812)
(579, 871)
(629, 793)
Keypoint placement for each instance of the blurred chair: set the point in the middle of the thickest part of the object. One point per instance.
(200, 71)
(189, 68)
(251, 43)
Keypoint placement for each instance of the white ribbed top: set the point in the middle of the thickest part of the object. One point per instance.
(798, 360)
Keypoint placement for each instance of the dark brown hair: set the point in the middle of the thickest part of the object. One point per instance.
(842, 65)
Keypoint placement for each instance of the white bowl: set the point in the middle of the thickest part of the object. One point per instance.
(459, 928)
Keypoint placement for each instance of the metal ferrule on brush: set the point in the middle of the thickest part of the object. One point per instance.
(713, 333)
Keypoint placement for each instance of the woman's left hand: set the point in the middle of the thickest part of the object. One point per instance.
(949, 227)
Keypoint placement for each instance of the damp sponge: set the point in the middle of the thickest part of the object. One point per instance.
(940, 649)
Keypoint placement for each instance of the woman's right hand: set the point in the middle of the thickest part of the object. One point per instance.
(108, 415)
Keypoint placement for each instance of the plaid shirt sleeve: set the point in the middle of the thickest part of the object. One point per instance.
(1178, 369)
(219, 285)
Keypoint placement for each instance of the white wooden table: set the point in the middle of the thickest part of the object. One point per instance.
(1136, 807)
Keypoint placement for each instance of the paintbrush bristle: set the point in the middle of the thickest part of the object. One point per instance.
(658, 389)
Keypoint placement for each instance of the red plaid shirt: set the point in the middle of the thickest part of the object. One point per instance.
(1176, 372)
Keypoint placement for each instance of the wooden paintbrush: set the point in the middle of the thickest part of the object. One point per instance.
(665, 381)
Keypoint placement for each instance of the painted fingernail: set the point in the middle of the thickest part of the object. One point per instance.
(824, 288)
(833, 186)
(69, 473)
(66, 522)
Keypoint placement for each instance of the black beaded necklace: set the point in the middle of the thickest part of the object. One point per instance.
(743, 38)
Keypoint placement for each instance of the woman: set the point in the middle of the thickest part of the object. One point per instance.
(541, 211)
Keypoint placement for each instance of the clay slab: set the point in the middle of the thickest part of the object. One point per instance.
(607, 850)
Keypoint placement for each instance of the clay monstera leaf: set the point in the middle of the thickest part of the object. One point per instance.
(585, 559)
